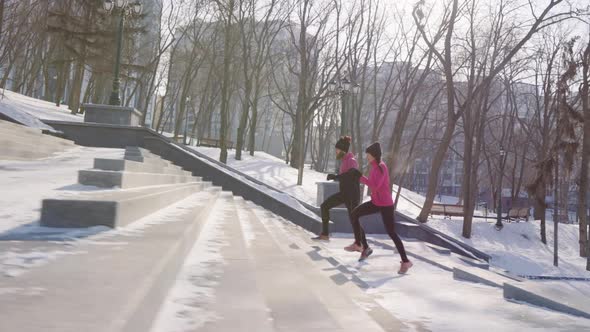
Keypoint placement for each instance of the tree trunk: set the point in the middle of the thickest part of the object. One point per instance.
(76, 88)
(1, 17)
(253, 124)
(225, 88)
(583, 188)
(240, 141)
(437, 162)
(61, 83)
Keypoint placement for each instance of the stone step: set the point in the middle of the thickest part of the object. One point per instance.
(152, 160)
(7, 126)
(481, 276)
(301, 294)
(114, 282)
(114, 208)
(126, 180)
(23, 133)
(234, 301)
(137, 167)
(558, 298)
(38, 142)
(16, 150)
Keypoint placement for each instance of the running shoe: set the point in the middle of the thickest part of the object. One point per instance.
(405, 267)
(365, 254)
(353, 247)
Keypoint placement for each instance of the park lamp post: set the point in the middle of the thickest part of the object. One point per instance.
(122, 8)
(499, 224)
(188, 101)
(342, 87)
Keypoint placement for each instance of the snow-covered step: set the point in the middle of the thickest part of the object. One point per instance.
(125, 180)
(330, 302)
(481, 276)
(114, 208)
(17, 150)
(9, 129)
(36, 138)
(22, 143)
(134, 166)
(7, 126)
(218, 285)
(114, 281)
(560, 299)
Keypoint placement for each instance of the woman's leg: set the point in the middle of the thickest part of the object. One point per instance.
(362, 210)
(351, 204)
(328, 204)
(387, 214)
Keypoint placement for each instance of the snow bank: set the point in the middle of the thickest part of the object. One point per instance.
(273, 171)
(518, 247)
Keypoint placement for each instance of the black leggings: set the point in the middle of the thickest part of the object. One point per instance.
(332, 202)
(387, 214)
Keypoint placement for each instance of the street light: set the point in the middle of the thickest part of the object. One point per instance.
(499, 224)
(123, 8)
(343, 86)
(188, 100)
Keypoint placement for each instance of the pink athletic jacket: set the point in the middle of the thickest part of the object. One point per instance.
(378, 182)
(348, 162)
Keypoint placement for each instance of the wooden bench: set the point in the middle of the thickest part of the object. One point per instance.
(447, 210)
(213, 143)
(518, 214)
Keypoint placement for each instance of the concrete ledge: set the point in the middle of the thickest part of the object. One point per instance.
(125, 180)
(112, 209)
(556, 299)
(439, 250)
(478, 276)
(483, 265)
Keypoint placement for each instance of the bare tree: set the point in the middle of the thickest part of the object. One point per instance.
(475, 90)
(583, 182)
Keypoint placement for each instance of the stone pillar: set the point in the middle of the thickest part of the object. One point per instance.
(325, 190)
(109, 114)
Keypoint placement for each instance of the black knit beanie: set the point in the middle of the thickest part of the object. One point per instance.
(375, 151)
(344, 143)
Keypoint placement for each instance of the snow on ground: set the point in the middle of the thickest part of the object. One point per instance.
(26, 183)
(273, 171)
(450, 306)
(516, 248)
(29, 110)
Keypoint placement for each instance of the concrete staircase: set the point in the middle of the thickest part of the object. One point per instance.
(259, 278)
(145, 184)
(18, 142)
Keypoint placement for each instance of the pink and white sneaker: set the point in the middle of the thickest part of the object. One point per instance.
(405, 267)
(354, 247)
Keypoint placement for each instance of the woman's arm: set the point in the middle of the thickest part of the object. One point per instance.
(374, 181)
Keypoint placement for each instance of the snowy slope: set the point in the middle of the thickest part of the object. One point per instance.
(29, 110)
(273, 171)
(516, 248)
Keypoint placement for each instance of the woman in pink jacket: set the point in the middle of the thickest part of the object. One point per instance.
(381, 201)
